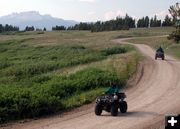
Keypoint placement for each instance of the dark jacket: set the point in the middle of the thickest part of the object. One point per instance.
(160, 50)
(112, 90)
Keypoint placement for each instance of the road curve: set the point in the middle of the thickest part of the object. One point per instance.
(156, 94)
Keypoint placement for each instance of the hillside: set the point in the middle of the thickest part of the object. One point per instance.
(35, 19)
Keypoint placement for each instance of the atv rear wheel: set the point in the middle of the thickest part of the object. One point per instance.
(98, 110)
(123, 107)
(114, 110)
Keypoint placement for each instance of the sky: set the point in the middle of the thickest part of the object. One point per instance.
(89, 10)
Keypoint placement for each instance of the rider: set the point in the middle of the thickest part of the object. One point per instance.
(112, 89)
(160, 50)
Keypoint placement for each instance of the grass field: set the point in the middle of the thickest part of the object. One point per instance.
(43, 73)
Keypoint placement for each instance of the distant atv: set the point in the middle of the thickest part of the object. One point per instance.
(111, 103)
(159, 54)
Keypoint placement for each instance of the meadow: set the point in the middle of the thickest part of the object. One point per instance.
(45, 73)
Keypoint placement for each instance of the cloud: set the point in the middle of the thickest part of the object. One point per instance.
(113, 14)
(161, 14)
(90, 1)
(91, 13)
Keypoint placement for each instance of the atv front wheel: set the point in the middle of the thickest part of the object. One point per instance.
(123, 107)
(114, 110)
(98, 110)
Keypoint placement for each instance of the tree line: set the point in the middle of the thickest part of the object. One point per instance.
(123, 24)
(59, 28)
(118, 24)
(154, 22)
(8, 28)
(32, 28)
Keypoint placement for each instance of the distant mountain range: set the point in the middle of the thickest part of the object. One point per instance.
(33, 18)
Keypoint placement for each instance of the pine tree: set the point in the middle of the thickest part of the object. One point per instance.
(175, 13)
(44, 29)
(147, 21)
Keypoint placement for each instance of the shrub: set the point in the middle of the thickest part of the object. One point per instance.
(114, 50)
(30, 69)
(46, 98)
(4, 64)
(22, 102)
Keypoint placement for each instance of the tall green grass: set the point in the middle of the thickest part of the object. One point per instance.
(23, 61)
(56, 94)
(28, 87)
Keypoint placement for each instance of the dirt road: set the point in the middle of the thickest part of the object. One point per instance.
(156, 94)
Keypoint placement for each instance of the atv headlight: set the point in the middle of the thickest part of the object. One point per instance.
(98, 99)
(115, 97)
